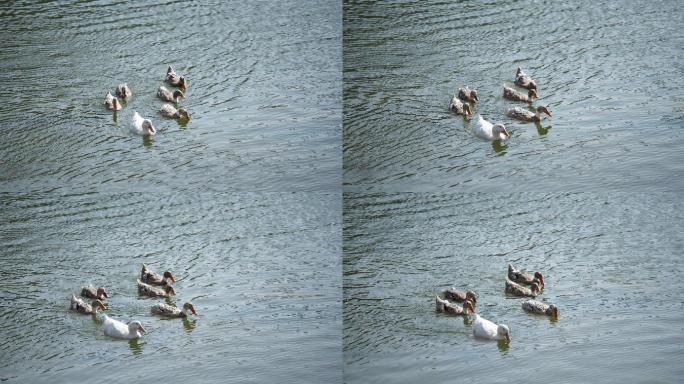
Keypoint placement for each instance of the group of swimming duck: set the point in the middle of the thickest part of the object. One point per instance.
(461, 105)
(518, 283)
(146, 287)
(142, 126)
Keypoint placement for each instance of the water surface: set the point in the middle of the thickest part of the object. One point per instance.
(262, 269)
(611, 72)
(611, 263)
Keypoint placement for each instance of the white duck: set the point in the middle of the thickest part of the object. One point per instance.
(485, 329)
(120, 330)
(142, 126)
(488, 131)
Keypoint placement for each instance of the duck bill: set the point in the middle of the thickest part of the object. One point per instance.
(508, 338)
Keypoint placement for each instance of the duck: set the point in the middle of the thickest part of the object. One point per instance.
(123, 91)
(512, 94)
(467, 94)
(112, 102)
(175, 79)
(523, 277)
(80, 306)
(488, 131)
(459, 107)
(524, 80)
(519, 290)
(148, 290)
(142, 127)
(121, 330)
(150, 277)
(169, 110)
(486, 329)
(94, 293)
(171, 311)
(454, 309)
(527, 115)
(166, 95)
(534, 306)
(460, 296)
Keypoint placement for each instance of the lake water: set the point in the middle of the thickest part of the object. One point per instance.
(264, 93)
(262, 269)
(611, 72)
(611, 263)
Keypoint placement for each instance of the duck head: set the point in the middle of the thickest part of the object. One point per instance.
(98, 304)
(169, 276)
(183, 84)
(136, 326)
(466, 109)
(532, 94)
(470, 296)
(189, 307)
(183, 113)
(148, 128)
(176, 94)
(468, 306)
(502, 330)
(169, 290)
(552, 311)
(542, 109)
(473, 95)
(538, 275)
(101, 293)
(534, 288)
(500, 129)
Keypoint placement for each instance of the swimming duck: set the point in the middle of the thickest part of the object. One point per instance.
(80, 306)
(170, 311)
(534, 306)
(519, 290)
(454, 309)
(485, 329)
(123, 91)
(112, 102)
(167, 95)
(488, 131)
(148, 290)
(175, 79)
(467, 94)
(150, 277)
(527, 115)
(169, 110)
(524, 80)
(120, 330)
(512, 94)
(523, 277)
(94, 293)
(460, 296)
(459, 107)
(142, 126)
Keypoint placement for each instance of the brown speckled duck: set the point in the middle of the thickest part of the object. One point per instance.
(148, 290)
(112, 102)
(171, 311)
(524, 80)
(467, 94)
(523, 277)
(448, 307)
(123, 91)
(175, 79)
(519, 290)
(166, 95)
(512, 94)
(459, 107)
(534, 306)
(169, 110)
(150, 277)
(527, 115)
(460, 296)
(94, 293)
(80, 306)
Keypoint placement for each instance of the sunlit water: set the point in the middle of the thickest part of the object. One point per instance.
(611, 263)
(262, 269)
(611, 72)
(264, 94)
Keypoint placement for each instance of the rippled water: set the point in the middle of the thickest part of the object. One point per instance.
(262, 270)
(264, 92)
(611, 72)
(611, 262)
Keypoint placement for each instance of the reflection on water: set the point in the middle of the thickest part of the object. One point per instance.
(136, 346)
(606, 258)
(189, 324)
(503, 345)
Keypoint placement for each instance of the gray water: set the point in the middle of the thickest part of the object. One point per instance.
(611, 72)
(611, 263)
(264, 93)
(262, 269)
